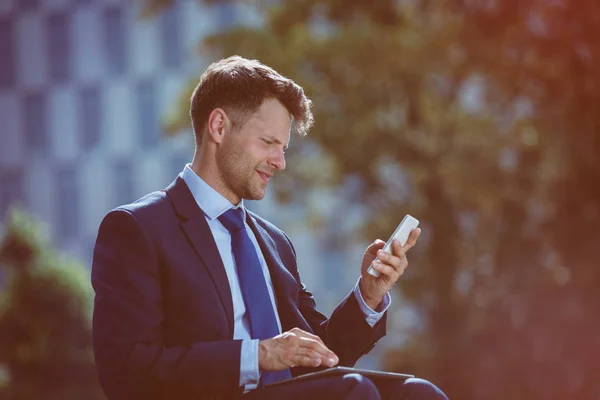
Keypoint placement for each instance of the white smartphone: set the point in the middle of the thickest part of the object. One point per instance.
(401, 233)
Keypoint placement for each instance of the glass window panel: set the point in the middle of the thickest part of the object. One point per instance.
(147, 114)
(123, 182)
(90, 116)
(67, 202)
(114, 39)
(27, 4)
(171, 36)
(11, 189)
(59, 47)
(225, 15)
(7, 54)
(35, 122)
(177, 164)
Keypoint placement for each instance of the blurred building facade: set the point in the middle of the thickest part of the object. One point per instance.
(84, 86)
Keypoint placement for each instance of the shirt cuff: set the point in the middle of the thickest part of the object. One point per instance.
(372, 316)
(249, 373)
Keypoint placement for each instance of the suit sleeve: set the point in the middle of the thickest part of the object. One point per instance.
(131, 358)
(347, 332)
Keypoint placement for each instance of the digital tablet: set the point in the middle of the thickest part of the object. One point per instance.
(336, 371)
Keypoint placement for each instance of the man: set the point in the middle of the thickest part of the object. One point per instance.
(196, 297)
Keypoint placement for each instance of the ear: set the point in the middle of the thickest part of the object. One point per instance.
(218, 124)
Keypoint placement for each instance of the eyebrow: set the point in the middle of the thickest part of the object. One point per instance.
(274, 139)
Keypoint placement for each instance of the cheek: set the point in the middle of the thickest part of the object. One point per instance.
(246, 163)
(258, 155)
(245, 157)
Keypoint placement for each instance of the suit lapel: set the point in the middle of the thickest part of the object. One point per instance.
(198, 233)
(284, 284)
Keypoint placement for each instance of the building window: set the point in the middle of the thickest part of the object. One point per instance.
(35, 122)
(67, 202)
(147, 114)
(123, 182)
(28, 4)
(11, 190)
(7, 54)
(114, 39)
(226, 16)
(171, 36)
(59, 47)
(90, 116)
(178, 162)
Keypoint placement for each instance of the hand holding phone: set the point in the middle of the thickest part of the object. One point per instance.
(401, 233)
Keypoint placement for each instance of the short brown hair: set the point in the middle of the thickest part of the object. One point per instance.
(239, 86)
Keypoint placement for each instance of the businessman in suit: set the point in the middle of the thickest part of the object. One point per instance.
(199, 298)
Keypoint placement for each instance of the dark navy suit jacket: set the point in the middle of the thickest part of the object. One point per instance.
(163, 312)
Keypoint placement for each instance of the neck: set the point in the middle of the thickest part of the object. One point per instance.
(205, 166)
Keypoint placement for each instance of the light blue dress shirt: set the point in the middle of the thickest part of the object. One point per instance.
(213, 204)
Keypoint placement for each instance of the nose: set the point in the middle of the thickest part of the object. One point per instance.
(277, 161)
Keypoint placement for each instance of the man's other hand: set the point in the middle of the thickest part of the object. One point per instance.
(391, 267)
(292, 349)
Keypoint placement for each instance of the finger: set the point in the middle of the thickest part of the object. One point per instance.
(399, 263)
(303, 361)
(397, 249)
(314, 342)
(412, 238)
(302, 333)
(395, 260)
(305, 352)
(376, 245)
(322, 359)
(387, 270)
(318, 347)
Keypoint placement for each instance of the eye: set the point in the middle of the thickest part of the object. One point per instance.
(267, 141)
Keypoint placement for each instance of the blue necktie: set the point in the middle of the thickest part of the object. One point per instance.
(253, 285)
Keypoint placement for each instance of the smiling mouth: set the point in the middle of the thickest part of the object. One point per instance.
(265, 177)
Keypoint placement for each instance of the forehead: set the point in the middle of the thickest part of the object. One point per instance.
(272, 118)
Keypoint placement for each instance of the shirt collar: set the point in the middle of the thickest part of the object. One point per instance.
(211, 202)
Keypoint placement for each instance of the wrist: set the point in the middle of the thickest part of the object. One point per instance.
(373, 301)
(262, 353)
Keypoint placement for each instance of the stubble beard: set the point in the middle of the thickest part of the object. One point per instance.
(239, 174)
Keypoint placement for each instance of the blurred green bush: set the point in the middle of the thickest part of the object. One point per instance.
(45, 318)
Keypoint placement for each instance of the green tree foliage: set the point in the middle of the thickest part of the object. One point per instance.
(45, 310)
(486, 112)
